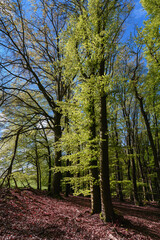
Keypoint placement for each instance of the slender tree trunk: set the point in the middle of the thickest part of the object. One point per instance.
(126, 115)
(49, 164)
(128, 170)
(151, 189)
(142, 176)
(68, 186)
(134, 180)
(49, 159)
(15, 182)
(56, 185)
(77, 174)
(40, 177)
(157, 138)
(120, 194)
(151, 195)
(129, 177)
(107, 208)
(145, 174)
(68, 163)
(130, 143)
(37, 165)
(49, 171)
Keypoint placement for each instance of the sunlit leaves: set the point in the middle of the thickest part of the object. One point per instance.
(151, 32)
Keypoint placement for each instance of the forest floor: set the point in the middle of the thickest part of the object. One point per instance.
(26, 215)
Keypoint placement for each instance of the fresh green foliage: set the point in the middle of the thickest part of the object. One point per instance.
(76, 95)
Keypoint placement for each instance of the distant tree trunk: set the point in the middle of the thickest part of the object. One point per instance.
(49, 159)
(8, 172)
(151, 189)
(68, 163)
(40, 177)
(126, 115)
(119, 178)
(129, 177)
(49, 163)
(142, 176)
(151, 195)
(49, 171)
(118, 172)
(56, 185)
(15, 182)
(77, 174)
(134, 180)
(68, 186)
(130, 144)
(128, 169)
(157, 138)
(150, 136)
(107, 208)
(37, 165)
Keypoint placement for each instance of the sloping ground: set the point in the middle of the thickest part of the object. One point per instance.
(33, 215)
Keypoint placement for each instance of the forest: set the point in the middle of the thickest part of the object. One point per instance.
(79, 103)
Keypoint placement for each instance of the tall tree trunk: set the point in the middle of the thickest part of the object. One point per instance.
(107, 208)
(56, 185)
(94, 185)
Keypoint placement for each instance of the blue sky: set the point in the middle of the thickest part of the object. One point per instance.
(136, 18)
(138, 15)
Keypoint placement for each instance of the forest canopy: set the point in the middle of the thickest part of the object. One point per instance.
(80, 107)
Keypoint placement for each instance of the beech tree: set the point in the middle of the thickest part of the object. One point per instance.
(94, 38)
(31, 62)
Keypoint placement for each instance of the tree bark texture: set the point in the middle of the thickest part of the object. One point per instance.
(94, 185)
(56, 185)
(107, 208)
